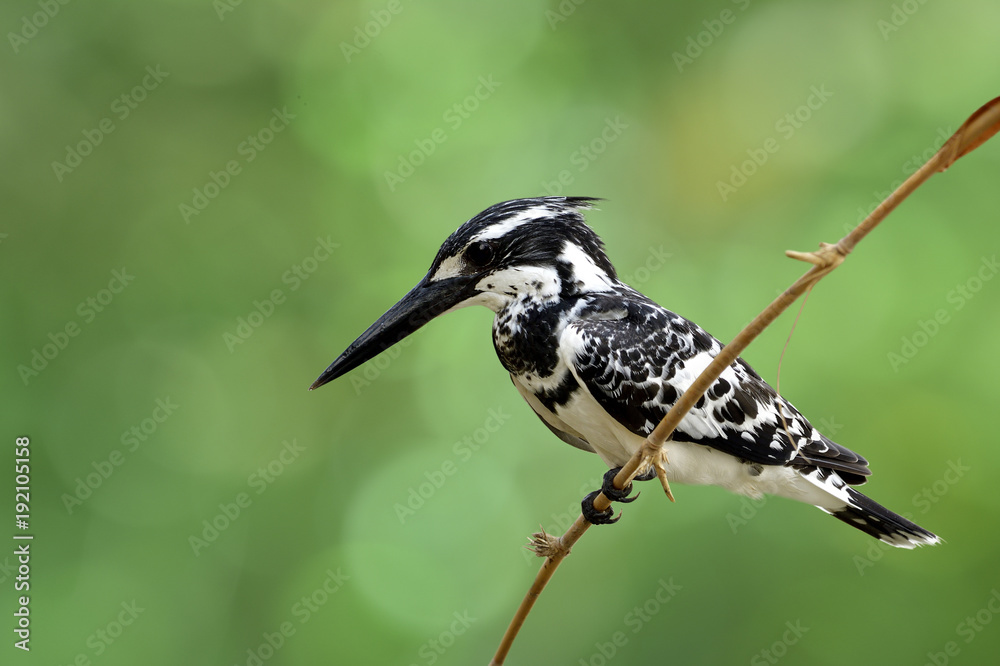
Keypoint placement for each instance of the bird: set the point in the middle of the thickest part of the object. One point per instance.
(601, 364)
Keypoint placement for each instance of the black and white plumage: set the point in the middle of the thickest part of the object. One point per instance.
(601, 364)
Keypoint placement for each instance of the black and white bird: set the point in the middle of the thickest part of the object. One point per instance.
(601, 364)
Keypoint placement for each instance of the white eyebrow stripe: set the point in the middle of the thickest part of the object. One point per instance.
(514, 221)
(453, 266)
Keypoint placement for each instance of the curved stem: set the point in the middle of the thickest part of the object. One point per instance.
(980, 126)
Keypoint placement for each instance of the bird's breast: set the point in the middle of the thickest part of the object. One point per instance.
(526, 337)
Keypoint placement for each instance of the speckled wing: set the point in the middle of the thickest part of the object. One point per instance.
(636, 359)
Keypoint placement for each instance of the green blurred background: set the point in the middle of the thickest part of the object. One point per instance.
(230, 158)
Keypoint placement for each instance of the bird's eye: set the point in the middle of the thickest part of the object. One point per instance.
(479, 254)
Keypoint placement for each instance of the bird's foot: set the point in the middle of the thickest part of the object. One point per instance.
(613, 494)
(653, 468)
(654, 460)
(616, 494)
(595, 517)
(648, 475)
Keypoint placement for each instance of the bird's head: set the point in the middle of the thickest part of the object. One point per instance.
(537, 248)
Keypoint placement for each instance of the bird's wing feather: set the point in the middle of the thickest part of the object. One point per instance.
(558, 427)
(638, 363)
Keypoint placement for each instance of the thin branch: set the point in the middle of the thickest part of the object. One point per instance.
(788, 342)
(980, 126)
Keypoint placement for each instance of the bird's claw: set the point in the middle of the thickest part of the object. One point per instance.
(648, 475)
(595, 517)
(654, 459)
(613, 494)
(617, 494)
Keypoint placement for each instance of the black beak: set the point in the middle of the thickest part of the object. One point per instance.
(424, 302)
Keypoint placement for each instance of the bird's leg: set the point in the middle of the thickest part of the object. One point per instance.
(653, 468)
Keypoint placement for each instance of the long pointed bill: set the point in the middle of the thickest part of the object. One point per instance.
(424, 302)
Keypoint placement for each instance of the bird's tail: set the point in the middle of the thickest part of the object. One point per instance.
(867, 515)
(871, 517)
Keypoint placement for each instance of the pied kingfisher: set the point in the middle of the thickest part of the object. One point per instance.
(601, 365)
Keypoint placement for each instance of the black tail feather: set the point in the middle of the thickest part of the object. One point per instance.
(872, 518)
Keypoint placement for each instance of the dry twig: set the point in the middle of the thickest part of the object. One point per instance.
(980, 126)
